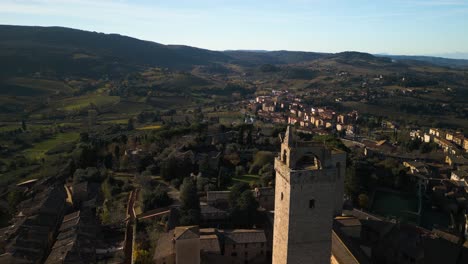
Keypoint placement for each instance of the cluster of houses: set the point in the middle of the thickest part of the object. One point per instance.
(454, 144)
(285, 108)
(372, 239)
(55, 223)
(31, 236)
(191, 244)
(195, 244)
(451, 142)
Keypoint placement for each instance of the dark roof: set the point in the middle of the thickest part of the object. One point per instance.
(244, 236)
(165, 245)
(186, 232)
(207, 209)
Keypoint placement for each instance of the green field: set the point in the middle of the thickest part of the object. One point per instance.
(151, 127)
(84, 101)
(247, 178)
(31, 87)
(38, 150)
(116, 121)
(7, 128)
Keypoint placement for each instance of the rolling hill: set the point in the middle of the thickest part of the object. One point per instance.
(62, 52)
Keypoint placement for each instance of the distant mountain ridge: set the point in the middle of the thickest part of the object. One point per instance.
(65, 51)
(445, 62)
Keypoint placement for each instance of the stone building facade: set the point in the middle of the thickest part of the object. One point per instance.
(308, 193)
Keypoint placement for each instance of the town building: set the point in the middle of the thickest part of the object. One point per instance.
(190, 244)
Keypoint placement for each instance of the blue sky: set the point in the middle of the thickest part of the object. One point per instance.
(411, 27)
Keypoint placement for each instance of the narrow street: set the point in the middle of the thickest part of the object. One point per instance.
(128, 244)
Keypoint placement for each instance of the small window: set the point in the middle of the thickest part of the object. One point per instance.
(245, 245)
(261, 252)
(262, 244)
(234, 254)
(234, 246)
(312, 204)
(281, 196)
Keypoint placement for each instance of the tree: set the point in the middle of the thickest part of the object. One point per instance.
(117, 151)
(156, 198)
(224, 178)
(84, 137)
(176, 183)
(190, 204)
(23, 125)
(108, 161)
(14, 198)
(240, 171)
(244, 214)
(201, 183)
(261, 159)
(236, 191)
(130, 124)
(363, 201)
(249, 138)
(240, 139)
(168, 168)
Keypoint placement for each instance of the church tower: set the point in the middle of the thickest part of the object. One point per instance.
(308, 193)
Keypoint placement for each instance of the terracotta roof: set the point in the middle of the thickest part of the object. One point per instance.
(348, 221)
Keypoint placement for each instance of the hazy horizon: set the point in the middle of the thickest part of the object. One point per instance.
(378, 27)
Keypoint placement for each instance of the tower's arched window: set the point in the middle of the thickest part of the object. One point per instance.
(338, 169)
(312, 204)
(285, 156)
(281, 196)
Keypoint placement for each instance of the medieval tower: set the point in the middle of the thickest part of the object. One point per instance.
(308, 193)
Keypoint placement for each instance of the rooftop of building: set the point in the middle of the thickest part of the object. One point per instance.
(186, 232)
(244, 236)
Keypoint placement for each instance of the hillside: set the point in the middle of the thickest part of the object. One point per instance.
(63, 51)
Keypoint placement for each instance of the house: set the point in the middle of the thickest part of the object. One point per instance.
(210, 214)
(427, 138)
(32, 233)
(437, 132)
(456, 161)
(76, 239)
(246, 245)
(190, 244)
(339, 127)
(416, 167)
(446, 145)
(458, 139)
(341, 119)
(460, 176)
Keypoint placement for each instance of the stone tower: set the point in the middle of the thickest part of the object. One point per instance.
(308, 193)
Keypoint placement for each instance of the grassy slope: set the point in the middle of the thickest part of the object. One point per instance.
(38, 150)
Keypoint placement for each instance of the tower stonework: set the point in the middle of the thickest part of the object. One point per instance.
(308, 193)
